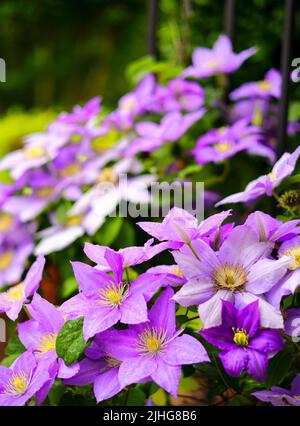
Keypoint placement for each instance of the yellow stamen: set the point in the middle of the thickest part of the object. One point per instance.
(107, 175)
(230, 277)
(113, 295)
(265, 85)
(47, 342)
(15, 293)
(177, 271)
(6, 221)
(241, 337)
(6, 259)
(45, 192)
(294, 252)
(74, 220)
(129, 104)
(272, 176)
(71, 170)
(152, 341)
(223, 147)
(213, 64)
(33, 152)
(17, 384)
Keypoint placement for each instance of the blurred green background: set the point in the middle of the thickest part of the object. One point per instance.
(62, 52)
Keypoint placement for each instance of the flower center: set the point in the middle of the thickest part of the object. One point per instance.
(213, 64)
(71, 170)
(33, 152)
(265, 85)
(45, 192)
(6, 259)
(128, 104)
(17, 384)
(47, 342)
(74, 220)
(295, 254)
(76, 137)
(15, 294)
(152, 341)
(177, 271)
(230, 277)
(113, 295)
(241, 337)
(112, 362)
(223, 147)
(107, 175)
(272, 176)
(6, 221)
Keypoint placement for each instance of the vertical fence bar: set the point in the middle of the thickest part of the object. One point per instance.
(285, 74)
(153, 12)
(229, 18)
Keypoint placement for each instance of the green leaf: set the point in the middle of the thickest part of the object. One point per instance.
(14, 346)
(136, 397)
(109, 231)
(68, 287)
(8, 360)
(70, 344)
(279, 367)
(239, 400)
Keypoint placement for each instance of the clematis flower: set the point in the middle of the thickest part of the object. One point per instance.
(154, 349)
(13, 299)
(171, 128)
(239, 272)
(13, 257)
(39, 334)
(281, 397)
(99, 369)
(245, 346)
(132, 105)
(179, 95)
(269, 229)
(289, 283)
(182, 227)
(269, 86)
(219, 59)
(131, 256)
(292, 323)
(22, 380)
(219, 144)
(265, 185)
(104, 300)
(38, 150)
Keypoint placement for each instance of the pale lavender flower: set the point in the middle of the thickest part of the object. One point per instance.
(265, 185)
(219, 59)
(269, 86)
(282, 397)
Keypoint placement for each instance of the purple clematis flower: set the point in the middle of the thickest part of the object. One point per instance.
(99, 368)
(269, 86)
(171, 128)
(245, 345)
(104, 299)
(289, 283)
(292, 323)
(13, 299)
(219, 59)
(281, 397)
(154, 349)
(239, 272)
(219, 144)
(265, 185)
(269, 229)
(39, 334)
(13, 257)
(182, 227)
(132, 105)
(179, 95)
(22, 380)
